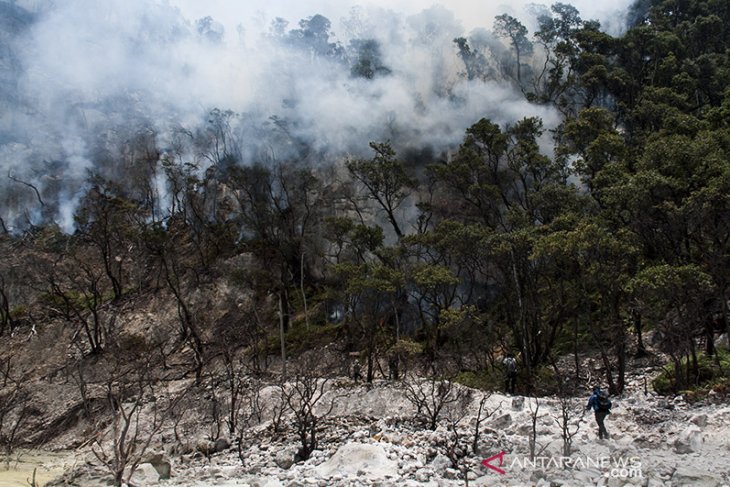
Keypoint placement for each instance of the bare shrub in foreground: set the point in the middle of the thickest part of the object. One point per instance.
(430, 396)
(137, 416)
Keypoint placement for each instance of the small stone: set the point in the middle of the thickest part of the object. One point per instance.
(423, 475)
(440, 463)
(451, 473)
(205, 447)
(699, 419)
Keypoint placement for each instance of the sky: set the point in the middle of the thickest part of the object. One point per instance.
(471, 13)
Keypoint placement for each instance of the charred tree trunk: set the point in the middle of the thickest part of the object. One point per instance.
(638, 330)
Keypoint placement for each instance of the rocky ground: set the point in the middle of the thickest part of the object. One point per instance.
(370, 438)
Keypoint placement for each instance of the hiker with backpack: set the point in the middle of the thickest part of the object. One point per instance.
(510, 373)
(601, 405)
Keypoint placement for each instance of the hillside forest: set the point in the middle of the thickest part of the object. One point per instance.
(552, 240)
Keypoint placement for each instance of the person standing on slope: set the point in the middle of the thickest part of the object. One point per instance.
(601, 405)
(510, 373)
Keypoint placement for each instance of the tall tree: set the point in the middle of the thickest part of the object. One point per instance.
(512, 29)
(385, 181)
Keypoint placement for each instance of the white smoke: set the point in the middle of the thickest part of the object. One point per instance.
(94, 72)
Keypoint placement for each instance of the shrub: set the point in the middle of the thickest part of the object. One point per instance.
(713, 372)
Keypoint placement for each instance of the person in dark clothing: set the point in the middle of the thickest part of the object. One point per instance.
(601, 405)
(510, 373)
(393, 367)
(356, 375)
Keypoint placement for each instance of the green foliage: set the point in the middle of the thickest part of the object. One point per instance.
(486, 380)
(663, 287)
(433, 276)
(406, 347)
(368, 62)
(18, 310)
(714, 373)
(301, 338)
(512, 29)
(517, 244)
(370, 277)
(384, 179)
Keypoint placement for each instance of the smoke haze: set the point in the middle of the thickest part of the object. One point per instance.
(81, 79)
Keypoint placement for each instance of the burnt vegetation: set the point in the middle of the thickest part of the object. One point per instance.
(438, 264)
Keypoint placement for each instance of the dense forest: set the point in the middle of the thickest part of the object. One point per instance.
(541, 238)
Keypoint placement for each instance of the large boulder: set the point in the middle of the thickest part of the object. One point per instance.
(145, 474)
(359, 460)
(501, 422)
(689, 441)
(688, 475)
(284, 458)
(221, 445)
(161, 463)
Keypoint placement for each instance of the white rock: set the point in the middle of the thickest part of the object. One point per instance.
(363, 460)
(423, 475)
(145, 474)
(440, 463)
(690, 440)
(688, 475)
(451, 473)
(501, 422)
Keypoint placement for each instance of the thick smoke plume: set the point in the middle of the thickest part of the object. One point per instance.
(82, 82)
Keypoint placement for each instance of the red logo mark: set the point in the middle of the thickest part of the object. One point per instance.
(487, 463)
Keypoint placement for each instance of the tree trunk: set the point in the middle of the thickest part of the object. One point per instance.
(282, 337)
(638, 330)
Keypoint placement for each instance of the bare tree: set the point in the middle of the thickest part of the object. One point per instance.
(77, 294)
(430, 396)
(457, 446)
(250, 413)
(235, 380)
(216, 409)
(305, 399)
(278, 410)
(535, 448)
(570, 408)
(482, 415)
(122, 446)
(6, 317)
(14, 408)
(189, 326)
